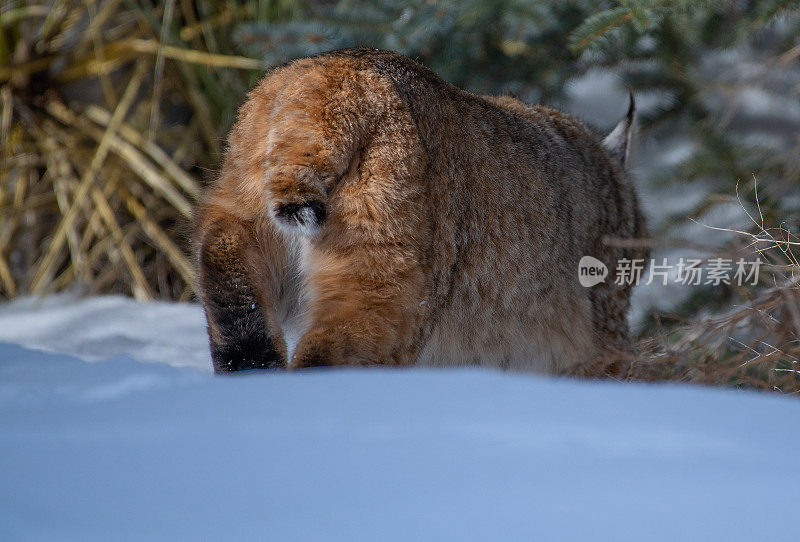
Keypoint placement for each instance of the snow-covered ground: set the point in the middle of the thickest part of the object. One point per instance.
(127, 449)
(97, 328)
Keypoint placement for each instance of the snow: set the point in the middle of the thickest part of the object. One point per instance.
(125, 449)
(96, 328)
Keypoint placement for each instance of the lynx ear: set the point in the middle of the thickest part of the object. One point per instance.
(618, 142)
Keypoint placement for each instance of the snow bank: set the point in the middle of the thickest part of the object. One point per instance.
(128, 450)
(97, 328)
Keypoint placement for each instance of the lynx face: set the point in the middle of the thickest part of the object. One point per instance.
(369, 213)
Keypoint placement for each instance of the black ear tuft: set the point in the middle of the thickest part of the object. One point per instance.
(618, 142)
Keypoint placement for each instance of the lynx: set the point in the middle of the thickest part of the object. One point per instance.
(370, 213)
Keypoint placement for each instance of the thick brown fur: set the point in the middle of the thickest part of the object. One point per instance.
(369, 213)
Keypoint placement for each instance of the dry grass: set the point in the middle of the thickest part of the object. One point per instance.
(112, 115)
(755, 347)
